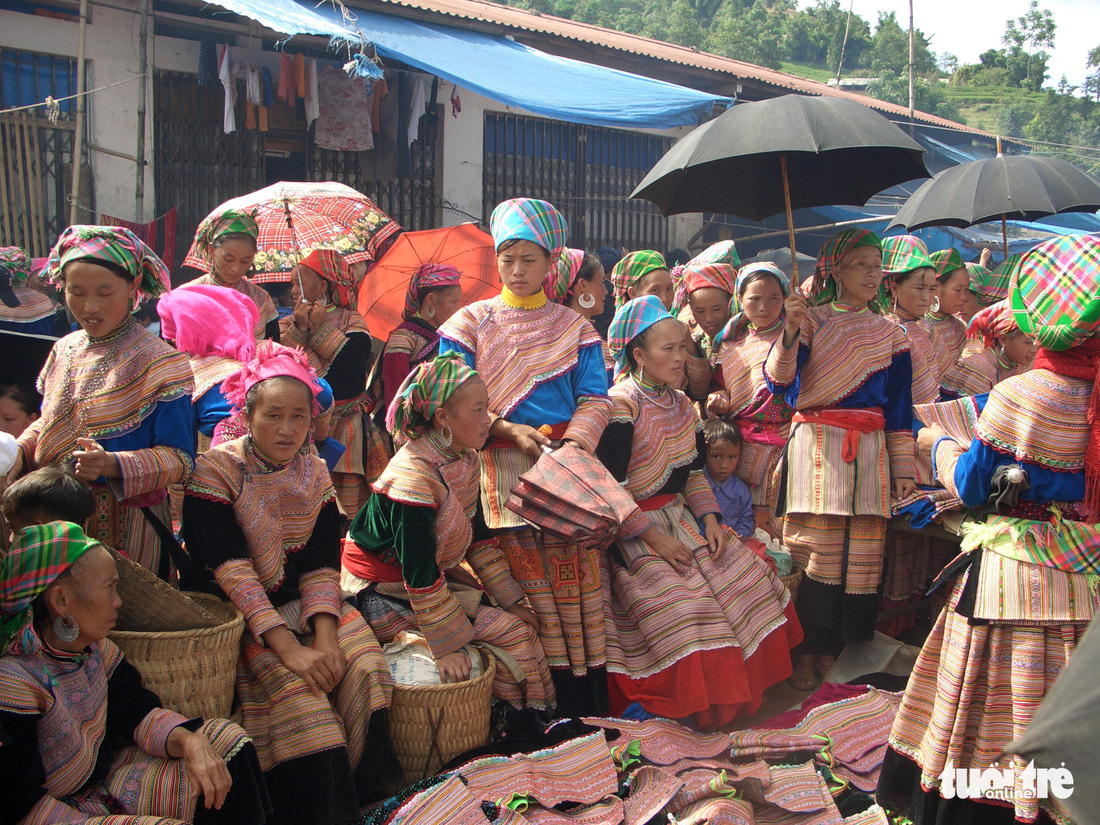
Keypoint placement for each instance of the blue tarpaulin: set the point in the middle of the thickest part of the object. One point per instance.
(499, 68)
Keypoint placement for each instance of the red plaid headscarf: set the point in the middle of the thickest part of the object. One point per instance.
(427, 276)
(702, 276)
(989, 323)
(39, 555)
(330, 265)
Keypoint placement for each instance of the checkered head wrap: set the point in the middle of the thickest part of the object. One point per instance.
(424, 391)
(946, 260)
(991, 322)
(429, 275)
(560, 278)
(330, 265)
(904, 253)
(737, 316)
(631, 269)
(229, 222)
(703, 276)
(1055, 291)
(529, 219)
(115, 245)
(16, 264)
(631, 320)
(39, 555)
(987, 287)
(822, 288)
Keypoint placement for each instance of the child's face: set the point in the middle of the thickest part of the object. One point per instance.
(722, 458)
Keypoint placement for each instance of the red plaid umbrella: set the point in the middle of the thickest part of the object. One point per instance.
(465, 247)
(570, 494)
(323, 213)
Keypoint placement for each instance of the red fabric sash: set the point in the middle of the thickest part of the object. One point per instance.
(756, 432)
(557, 432)
(853, 422)
(1082, 361)
(656, 502)
(368, 566)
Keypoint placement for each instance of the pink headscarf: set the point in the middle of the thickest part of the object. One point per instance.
(204, 319)
(429, 276)
(271, 361)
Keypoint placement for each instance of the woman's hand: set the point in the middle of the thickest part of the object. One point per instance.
(209, 775)
(318, 314)
(524, 614)
(904, 487)
(669, 548)
(14, 473)
(718, 402)
(301, 315)
(985, 257)
(312, 665)
(93, 461)
(528, 439)
(454, 667)
(326, 643)
(795, 309)
(715, 535)
(689, 340)
(928, 436)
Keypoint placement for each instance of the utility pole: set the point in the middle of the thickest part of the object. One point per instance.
(143, 66)
(844, 43)
(911, 88)
(78, 135)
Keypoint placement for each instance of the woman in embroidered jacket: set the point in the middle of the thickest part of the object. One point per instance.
(23, 309)
(1026, 591)
(699, 625)
(335, 338)
(404, 547)
(1005, 351)
(948, 331)
(228, 242)
(213, 325)
(542, 365)
(116, 399)
(67, 696)
(261, 522)
(763, 417)
(847, 372)
(578, 281)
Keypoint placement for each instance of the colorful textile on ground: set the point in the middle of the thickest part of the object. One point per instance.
(259, 296)
(429, 276)
(1055, 292)
(204, 320)
(560, 277)
(946, 260)
(16, 264)
(330, 265)
(992, 322)
(823, 284)
(230, 222)
(271, 361)
(631, 320)
(39, 555)
(631, 269)
(904, 253)
(424, 391)
(117, 246)
(529, 219)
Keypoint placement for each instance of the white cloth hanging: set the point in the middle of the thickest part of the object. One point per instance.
(225, 75)
(416, 109)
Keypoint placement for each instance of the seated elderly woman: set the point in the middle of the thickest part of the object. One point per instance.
(67, 694)
(260, 522)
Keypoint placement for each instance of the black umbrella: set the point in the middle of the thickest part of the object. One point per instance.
(792, 152)
(1021, 187)
(1065, 728)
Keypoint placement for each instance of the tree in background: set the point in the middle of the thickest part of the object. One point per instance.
(1092, 81)
(1034, 29)
(928, 94)
(753, 33)
(890, 52)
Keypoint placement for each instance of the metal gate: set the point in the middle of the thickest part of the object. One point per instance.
(36, 155)
(197, 165)
(588, 172)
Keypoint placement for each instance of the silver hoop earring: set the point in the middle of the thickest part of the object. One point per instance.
(66, 629)
(430, 313)
(446, 436)
(839, 290)
(587, 300)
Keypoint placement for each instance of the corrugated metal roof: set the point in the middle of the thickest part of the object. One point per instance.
(529, 21)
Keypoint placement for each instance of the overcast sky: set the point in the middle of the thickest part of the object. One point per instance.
(966, 28)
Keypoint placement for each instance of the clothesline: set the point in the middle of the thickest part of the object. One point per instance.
(51, 103)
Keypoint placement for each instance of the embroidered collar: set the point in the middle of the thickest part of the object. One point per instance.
(438, 446)
(122, 329)
(516, 302)
(220, 282)
(1003, 362)
(775, 323)
(840, 306)
(266, 464)
(905, 315)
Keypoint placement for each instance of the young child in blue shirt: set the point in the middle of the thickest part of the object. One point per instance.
(724, 442)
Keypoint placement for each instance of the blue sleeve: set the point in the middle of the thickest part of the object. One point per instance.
(211, 408)
(746, 523)
(170, 424)
(589, 379)
(897, 407)
(974, 477)
(447, 345)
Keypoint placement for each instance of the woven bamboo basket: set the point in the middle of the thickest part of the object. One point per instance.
(792, 581)
(192, 671)
(432, 724)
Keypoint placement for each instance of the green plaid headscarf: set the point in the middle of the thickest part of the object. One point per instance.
(631, 269)
(946, 260)
(39, 555)
(904, 253)
(987, 287)
(1055, 291)
(424, 391)
(229, 222)
(117, 246)
(16, 264)
(823, 284)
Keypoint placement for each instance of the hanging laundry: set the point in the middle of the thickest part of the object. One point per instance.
(343, 121)
(225, 75)
(312, 93)
(416, 107)
(266, 82)
(380, 164)
(379, 89)
(456, 102)
(252, 83)
(208, 61)
(288, 89)
(300, 74)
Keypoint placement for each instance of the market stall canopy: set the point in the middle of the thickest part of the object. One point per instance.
(503, 70)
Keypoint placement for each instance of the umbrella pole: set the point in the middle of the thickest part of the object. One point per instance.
(790, 222)
(1004, 234)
